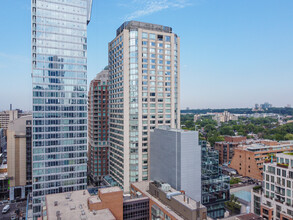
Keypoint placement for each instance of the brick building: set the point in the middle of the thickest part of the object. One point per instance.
(98, 129)
(226, 148)
(168, 203)
(248, 159)
(148, 200)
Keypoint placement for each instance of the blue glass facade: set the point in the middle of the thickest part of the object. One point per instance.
(59, 78)
(215, 186)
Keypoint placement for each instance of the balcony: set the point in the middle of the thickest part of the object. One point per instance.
(277, 200)
(283, 165)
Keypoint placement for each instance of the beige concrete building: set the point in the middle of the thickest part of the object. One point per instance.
(225, 117)
(19, 156)
(10, 115)
(144, 70)
(81, 205)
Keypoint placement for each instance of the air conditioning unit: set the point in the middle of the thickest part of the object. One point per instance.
(166, 187)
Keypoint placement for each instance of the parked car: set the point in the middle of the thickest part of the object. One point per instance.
(6, 209)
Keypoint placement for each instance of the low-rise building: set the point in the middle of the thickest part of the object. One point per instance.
(246, 216)
(248, 159)
(226, 148)
(4, 182)
(225, 117)
(275, 199)
(2, 140)
(168, 203)
(80, 204)
(148, 200)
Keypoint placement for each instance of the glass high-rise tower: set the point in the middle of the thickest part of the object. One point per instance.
(59, 78)
(144, 70)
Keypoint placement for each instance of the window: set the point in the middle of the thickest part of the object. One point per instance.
(153, 36)
(144, 35)
(289, 192)
(167, 38)
(284, 173)
(267, 186)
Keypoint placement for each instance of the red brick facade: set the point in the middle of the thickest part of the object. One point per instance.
(98, 128)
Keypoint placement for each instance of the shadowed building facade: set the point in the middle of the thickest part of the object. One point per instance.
(98, 128)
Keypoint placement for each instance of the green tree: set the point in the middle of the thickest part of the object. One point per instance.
(288, 137)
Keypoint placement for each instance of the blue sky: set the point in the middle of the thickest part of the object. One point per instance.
(233, 53)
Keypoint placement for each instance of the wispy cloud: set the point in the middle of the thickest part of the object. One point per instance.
(14, 57)
(143, 7)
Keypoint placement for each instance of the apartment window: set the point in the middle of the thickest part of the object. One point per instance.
(284, 173)
(153, 36)
(288, 183)
(144, 35)
(167, 38)
(265, 211)
(290, 174)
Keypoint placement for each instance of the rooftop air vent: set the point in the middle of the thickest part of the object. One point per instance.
(56, 203)
(68, 196)
(72, 207)
(166, 187)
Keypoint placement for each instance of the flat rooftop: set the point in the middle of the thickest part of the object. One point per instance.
(143, 25)
(144, 187)
(192, 204)
(262, 147)
(110, 189)
(73, 205)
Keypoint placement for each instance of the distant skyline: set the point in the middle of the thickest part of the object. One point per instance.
(233, 53)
